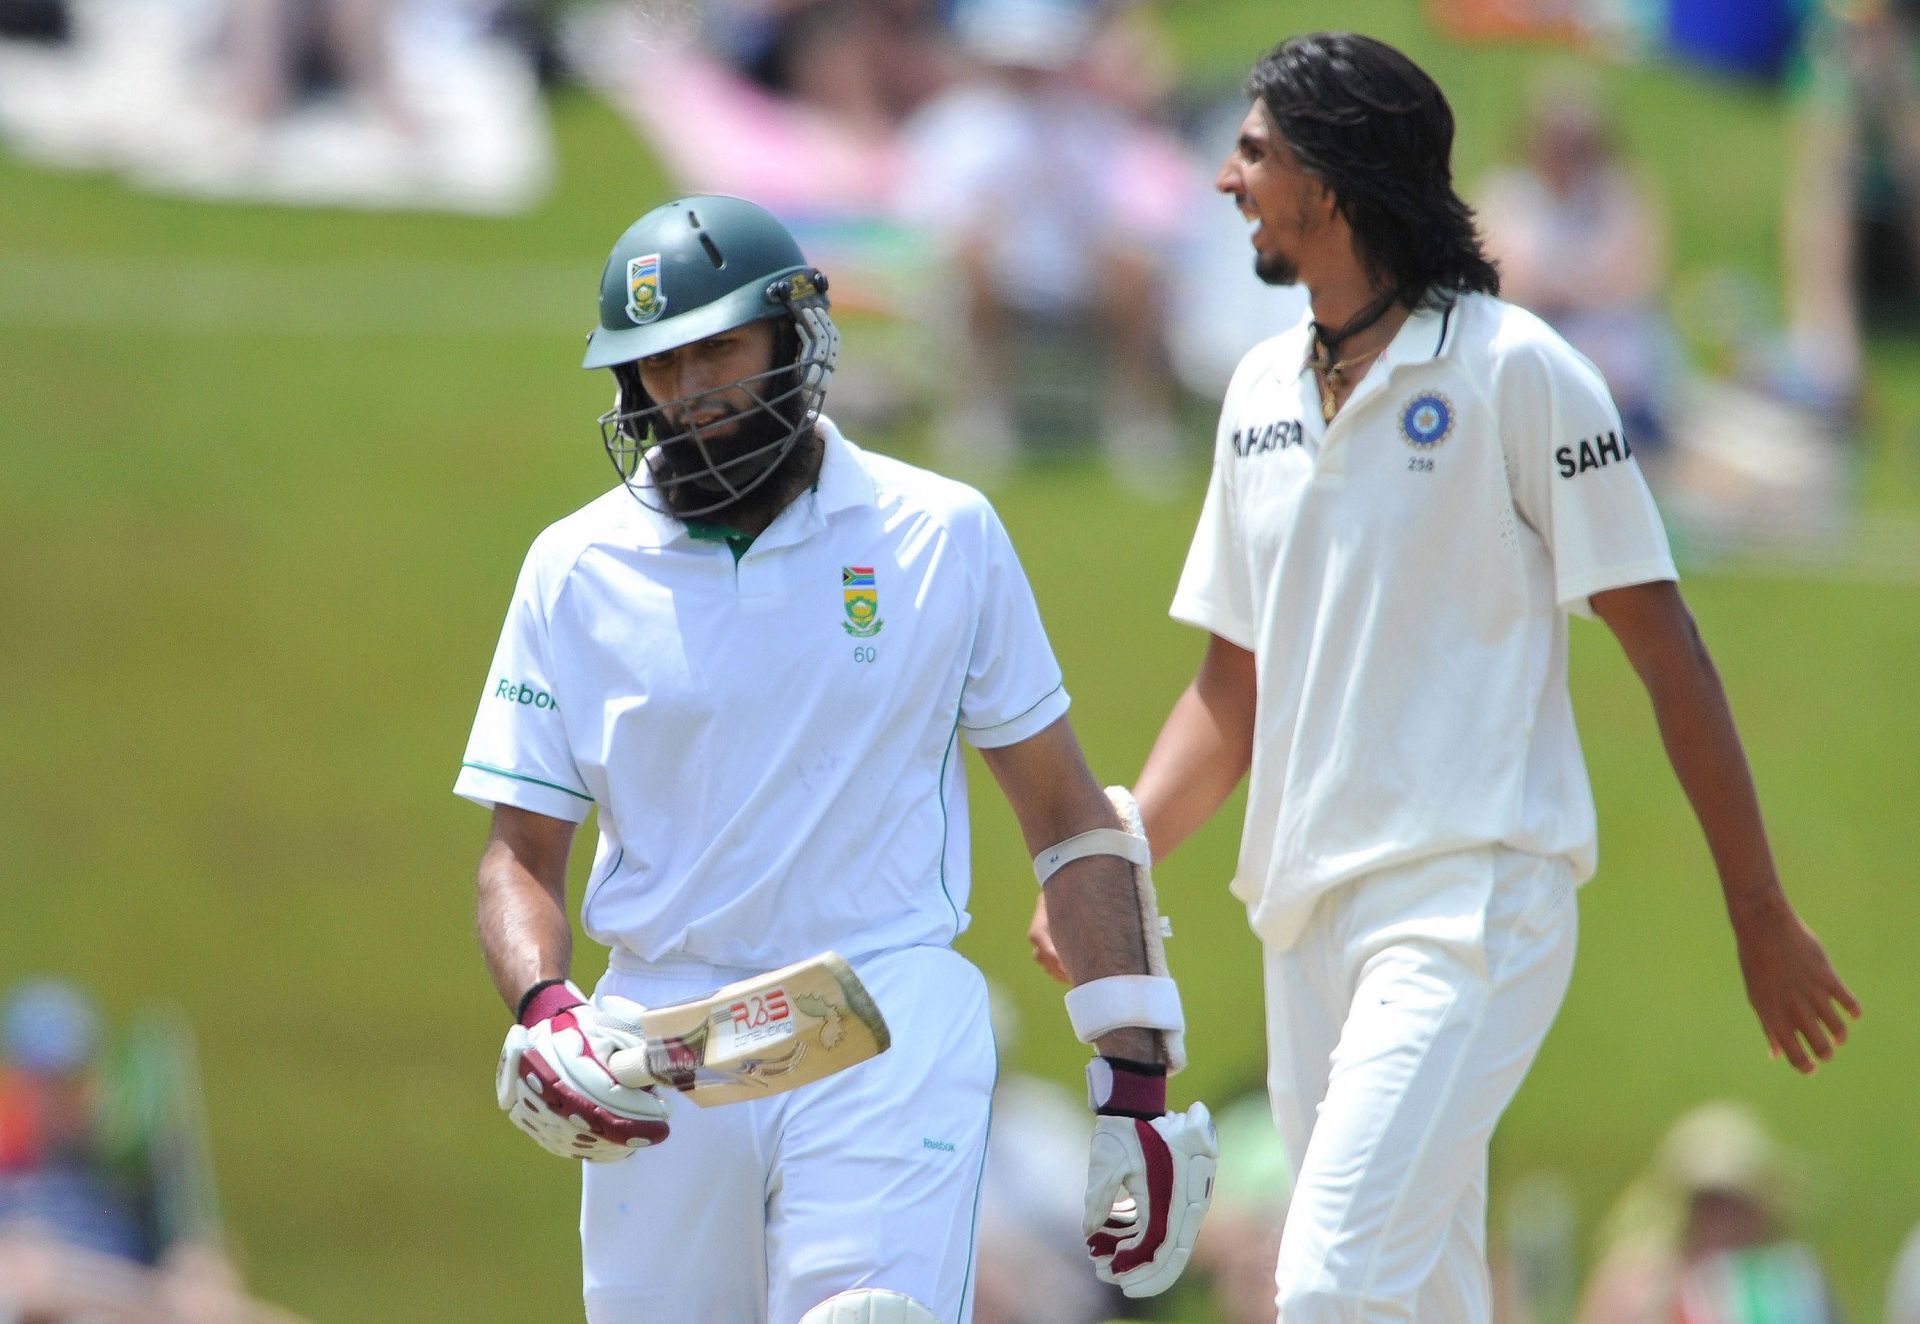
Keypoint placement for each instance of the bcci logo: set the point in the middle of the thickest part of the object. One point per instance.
(645, 302)
(1427, 420)
(862, 601)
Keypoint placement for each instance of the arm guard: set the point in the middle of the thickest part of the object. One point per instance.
(1151, 1000)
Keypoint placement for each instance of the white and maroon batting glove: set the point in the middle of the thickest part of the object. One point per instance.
(1149, 1180)
(554, 1082)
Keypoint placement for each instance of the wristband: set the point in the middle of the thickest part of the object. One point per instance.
(1121, 1087)
(546, 999)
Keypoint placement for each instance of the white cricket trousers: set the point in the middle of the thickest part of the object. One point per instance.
(755, 1212)
(1399, 1027)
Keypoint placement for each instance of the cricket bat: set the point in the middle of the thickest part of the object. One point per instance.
(758, 1037)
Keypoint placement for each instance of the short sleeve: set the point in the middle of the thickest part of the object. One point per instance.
(1576, 481)
(1014, 688)
(1216, 590)
(518, 753)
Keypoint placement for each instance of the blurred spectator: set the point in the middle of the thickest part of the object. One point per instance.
(715, 130)
(1903, 1291)
(106, 1207)
(1702, 1237)
(1581, 241)
(1852, 224)
(1239, 1244)
(1128, 62)
(869, 63)
(286, 51)
(429, 104)
(1052, 203)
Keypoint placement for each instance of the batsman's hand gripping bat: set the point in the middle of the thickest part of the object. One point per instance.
(761, 1036)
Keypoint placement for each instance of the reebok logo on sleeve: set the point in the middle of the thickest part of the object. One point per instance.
(512, 691)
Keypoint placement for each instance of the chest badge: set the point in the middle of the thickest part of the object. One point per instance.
(862, 601)
(1427, 420)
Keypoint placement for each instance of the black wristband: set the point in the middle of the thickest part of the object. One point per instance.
(520, 1009)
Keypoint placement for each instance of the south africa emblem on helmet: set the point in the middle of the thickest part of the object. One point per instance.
(862, 601)
(1427, 420)
(645, 302)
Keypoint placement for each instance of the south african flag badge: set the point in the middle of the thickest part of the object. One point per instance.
(862, 601)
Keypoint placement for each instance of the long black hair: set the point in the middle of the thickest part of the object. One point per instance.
(1378, 132)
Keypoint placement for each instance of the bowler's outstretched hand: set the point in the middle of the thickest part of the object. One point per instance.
(1792, 985)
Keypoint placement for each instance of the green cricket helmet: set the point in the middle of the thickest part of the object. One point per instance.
(685, 271)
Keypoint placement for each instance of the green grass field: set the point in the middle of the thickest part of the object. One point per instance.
(267, 480)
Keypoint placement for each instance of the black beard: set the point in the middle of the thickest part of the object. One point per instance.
(797, 471)
(679, 466)
(1275, 269)
(791, 475)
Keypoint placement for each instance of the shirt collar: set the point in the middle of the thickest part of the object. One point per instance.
(843, 482)
(1424, 336)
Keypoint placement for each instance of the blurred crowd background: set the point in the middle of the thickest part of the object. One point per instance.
(1025, 186)
(290, 298)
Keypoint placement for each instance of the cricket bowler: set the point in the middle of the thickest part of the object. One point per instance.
(1413, 490)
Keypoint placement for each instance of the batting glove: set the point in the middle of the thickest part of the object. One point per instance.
(1149, 1180)
(554, 1082)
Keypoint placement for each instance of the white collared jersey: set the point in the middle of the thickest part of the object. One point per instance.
(1403, 576)
(770, 741)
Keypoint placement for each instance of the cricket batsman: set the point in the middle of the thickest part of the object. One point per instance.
(756, 657)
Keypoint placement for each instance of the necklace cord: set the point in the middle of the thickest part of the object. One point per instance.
(1332, 372)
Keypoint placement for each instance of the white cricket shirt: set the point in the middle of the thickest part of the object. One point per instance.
(1404, 576)
(770, 742)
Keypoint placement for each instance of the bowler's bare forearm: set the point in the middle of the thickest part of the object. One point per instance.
(521, 890)
(1697, 727)
(1204, 748)
(1800, 1000)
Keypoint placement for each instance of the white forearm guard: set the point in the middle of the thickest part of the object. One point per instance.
(1100, 1006)
(1101, 841)
(1150, 1001)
